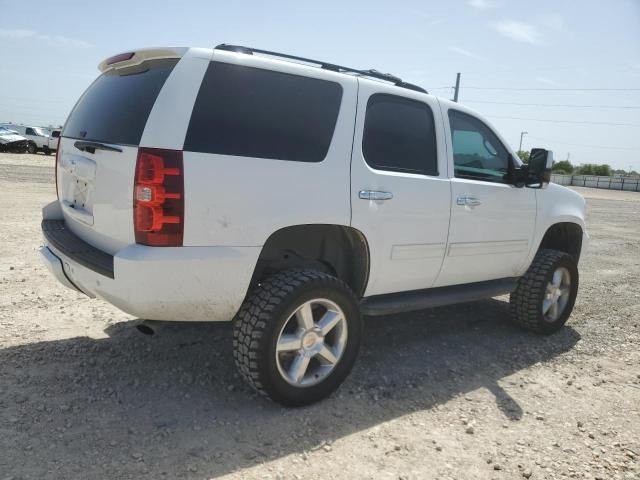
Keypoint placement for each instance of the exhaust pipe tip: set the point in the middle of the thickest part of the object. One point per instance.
(145, 328)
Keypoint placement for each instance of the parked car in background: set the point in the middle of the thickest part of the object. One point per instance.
(10, 141)
(37, 137)
(53, 139)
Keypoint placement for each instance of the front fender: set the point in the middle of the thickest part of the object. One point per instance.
(557, 204)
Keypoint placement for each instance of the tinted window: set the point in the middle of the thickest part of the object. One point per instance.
(252, 112)
(115, 108)
(399, 135)
(55, 134)
(477, 152)
(30, 131)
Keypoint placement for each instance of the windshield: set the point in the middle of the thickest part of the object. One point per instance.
(4, 131)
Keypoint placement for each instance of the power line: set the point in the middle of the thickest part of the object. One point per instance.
(583, 145)
(568, 121)
(633, 107)
(546, 68)
(559, 89)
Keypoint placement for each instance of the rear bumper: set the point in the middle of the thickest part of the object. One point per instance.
(173, 284)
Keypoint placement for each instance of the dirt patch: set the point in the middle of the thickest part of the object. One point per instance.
(454, 392)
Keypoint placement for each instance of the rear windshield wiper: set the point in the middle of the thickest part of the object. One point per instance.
(91, 147)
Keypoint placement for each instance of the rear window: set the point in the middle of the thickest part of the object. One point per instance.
(251, 112)
(55, 134)
(115, 108)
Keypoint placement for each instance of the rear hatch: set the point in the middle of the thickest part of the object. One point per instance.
(98, 147)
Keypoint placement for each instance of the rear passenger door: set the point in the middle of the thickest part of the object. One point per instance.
(400, 195)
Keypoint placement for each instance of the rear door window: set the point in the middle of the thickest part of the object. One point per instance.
(399, 135)
(115, 108)
(252, 112)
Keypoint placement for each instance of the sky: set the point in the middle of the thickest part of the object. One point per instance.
(567, 72)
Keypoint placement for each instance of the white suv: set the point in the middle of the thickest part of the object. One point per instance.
(291, 196)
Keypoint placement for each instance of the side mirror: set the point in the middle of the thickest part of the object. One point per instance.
(539, 172)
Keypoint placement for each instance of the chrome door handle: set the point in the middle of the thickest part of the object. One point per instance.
(374, 195)
(468, 201)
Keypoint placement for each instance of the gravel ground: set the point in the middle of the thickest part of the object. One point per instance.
(454, 392)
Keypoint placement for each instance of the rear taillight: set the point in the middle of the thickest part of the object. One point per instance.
(158, 198)
(56, 167)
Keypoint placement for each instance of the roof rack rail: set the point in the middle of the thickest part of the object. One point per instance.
(387, 77)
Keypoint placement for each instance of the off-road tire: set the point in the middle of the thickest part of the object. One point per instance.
(526, 300)
(261, 318)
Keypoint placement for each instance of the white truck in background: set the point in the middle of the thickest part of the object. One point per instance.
(37, 137)
(54, 136)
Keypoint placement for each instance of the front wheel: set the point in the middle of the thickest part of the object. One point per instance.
(297, 336)
(32, 148)
(545, 295)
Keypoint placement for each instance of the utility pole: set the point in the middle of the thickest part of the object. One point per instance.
(455, 93)
(522, 134)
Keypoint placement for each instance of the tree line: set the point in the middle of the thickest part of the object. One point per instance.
(565, 167)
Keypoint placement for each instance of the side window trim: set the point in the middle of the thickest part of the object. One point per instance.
(424, 171)
(452, 112)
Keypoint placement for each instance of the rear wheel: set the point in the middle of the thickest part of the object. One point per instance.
(32, 148)
(46, 151)
(297, 336)
(545, 295)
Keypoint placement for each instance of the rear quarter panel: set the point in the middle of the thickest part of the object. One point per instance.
(241, 201)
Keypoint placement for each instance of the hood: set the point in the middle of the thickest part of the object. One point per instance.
(10, 137)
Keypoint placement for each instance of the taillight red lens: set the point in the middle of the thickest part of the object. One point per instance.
(56, 166)
(158, 198)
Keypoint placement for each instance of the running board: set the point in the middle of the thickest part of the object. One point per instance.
(391, 303)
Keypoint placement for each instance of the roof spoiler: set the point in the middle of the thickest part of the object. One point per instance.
(133, 58)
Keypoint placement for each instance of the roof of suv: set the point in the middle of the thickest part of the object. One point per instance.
(371, 73)
(138, 56)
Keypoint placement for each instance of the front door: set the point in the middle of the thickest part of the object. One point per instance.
(492, 221)
(400, 197)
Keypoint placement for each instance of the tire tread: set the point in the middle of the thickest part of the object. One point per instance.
(524, 302)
